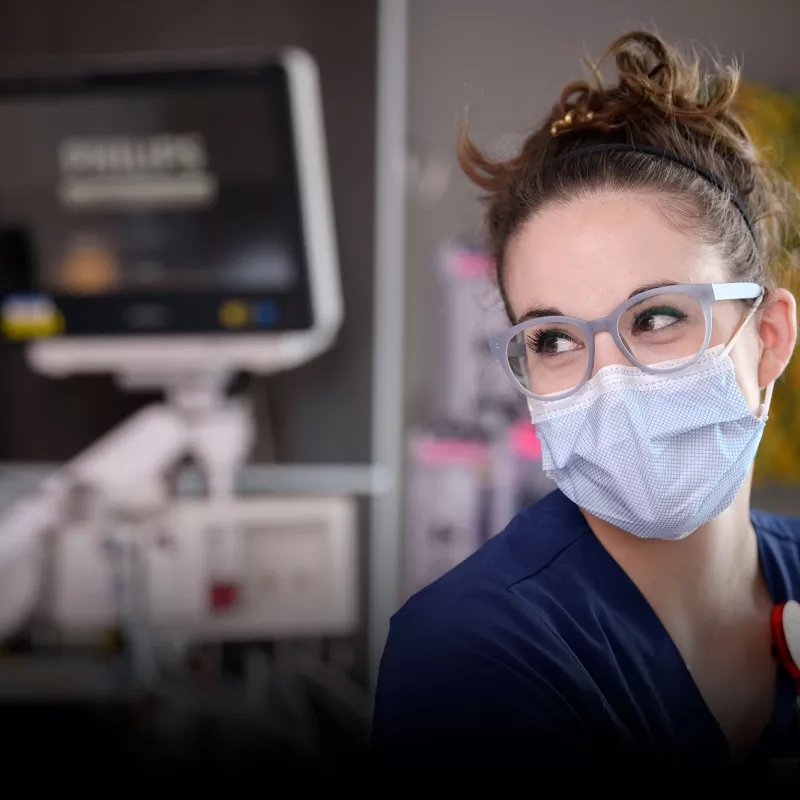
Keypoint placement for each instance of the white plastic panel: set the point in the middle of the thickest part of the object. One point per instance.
(21, 549)
(292, 561)
(175, 578)
(81, 593)
(298, 567)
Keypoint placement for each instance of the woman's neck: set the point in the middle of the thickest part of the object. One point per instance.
(711, 578)
(711, 596)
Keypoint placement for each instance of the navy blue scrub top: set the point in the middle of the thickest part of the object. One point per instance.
(540, 650)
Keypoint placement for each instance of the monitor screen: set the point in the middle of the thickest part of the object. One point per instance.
(159, 202)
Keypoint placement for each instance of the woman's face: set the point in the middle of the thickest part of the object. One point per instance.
(587, 257)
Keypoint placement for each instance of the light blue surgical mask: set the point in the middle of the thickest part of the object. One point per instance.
(655, 455)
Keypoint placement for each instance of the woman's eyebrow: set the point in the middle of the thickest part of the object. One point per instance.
(535, 312)
(649, 286)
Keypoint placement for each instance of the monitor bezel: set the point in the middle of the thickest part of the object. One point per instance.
(312, 330)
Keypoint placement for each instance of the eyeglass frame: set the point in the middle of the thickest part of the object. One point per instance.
(705, 293)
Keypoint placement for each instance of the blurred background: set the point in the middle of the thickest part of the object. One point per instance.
(247, 405)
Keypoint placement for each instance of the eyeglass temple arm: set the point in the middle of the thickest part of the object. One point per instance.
(736, 291)
(743, 323)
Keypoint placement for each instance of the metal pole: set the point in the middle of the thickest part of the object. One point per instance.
(387, 397)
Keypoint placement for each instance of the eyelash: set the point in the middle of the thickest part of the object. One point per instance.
(536, 339)
(655, 311)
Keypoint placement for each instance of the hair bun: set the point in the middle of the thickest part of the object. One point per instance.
(646, 66)
(655, 84)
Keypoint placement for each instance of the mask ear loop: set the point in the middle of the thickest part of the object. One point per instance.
(764, 408)
(767, 400)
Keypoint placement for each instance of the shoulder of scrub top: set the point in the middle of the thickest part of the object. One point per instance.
(531, 543)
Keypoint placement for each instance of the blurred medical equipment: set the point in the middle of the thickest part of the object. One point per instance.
(173, 226)
(449, 496)
(475, 461)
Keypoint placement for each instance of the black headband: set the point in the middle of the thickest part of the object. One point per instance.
(711, 177)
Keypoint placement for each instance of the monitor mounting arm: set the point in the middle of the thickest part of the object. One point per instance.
(123, 477)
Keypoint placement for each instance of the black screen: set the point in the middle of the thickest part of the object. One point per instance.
(158, 202)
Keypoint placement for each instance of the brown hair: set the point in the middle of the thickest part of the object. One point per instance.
(661, 100)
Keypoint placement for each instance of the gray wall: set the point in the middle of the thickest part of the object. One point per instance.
(508, 60)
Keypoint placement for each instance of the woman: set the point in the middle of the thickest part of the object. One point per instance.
(628, 614)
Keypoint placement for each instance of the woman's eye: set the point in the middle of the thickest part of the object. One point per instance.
(552, 342)
(657, 319)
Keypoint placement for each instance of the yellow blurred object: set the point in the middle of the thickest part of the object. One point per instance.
(30, 319)
(773, 120)
(234, 314)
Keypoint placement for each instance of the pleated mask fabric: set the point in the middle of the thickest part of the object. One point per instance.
(655, 455)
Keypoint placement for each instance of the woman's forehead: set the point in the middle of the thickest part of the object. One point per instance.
(587, 256)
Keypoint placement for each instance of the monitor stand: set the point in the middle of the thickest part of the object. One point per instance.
(119, 485)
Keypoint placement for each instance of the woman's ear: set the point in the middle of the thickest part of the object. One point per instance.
(777, 330)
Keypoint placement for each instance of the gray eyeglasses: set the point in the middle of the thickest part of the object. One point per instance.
(551, 357)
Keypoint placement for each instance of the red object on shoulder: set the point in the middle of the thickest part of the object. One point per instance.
(780, 642)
